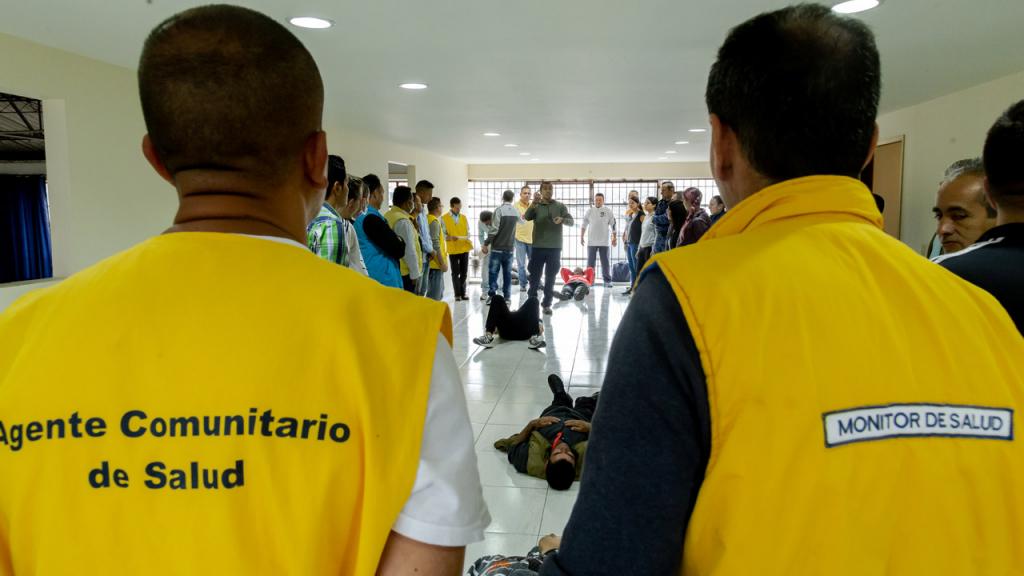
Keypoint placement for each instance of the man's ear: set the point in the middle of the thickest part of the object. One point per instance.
(871, 150)
(149, 151)
(724, 147)
(314, 160)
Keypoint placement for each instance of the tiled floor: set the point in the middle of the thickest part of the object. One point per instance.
(507, 386)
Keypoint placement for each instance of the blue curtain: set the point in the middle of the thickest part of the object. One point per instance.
(24, 229)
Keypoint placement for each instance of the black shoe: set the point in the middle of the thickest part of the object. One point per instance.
(556, 385)
(547, 310)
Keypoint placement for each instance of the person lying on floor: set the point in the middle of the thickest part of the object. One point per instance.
(523, 324)
(529, 565)
(553, 446)
(577, 283)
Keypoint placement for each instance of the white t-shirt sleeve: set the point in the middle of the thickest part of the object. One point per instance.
(446, 507)
(355, 256)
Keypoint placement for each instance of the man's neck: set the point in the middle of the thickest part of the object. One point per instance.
(1010, 216)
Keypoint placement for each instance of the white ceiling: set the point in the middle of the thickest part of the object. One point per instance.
(567, 80)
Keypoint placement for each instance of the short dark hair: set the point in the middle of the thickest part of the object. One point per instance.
(524, 187)
(212, 81)
(434, 204)
(717, 199)
(1004, 155)
(335, 174)
(800, 88)
(356, 188)
(455, 200)
(560, 475)
(372, 182)
(486, 216)
(401, 195)
(601, 194)
(424, 185)
(507, 196)
(677, 210)
(652, 200)
(668, 183)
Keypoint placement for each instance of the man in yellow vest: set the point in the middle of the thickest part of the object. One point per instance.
(206, 415)
(459, 246)
(815, 397)
(439, 253)
(402, 219)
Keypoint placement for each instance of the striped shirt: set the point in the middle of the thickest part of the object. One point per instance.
(325, 236)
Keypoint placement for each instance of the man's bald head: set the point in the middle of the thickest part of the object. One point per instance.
(227, 88)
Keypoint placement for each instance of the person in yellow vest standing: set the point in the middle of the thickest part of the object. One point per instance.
(816, 398)
(402, 219)
(459, 246)
(439, 256)
(207, 415)
(524, 239)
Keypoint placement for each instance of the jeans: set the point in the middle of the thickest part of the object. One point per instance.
(408, 284)
(435, 285)
(592, 252)
(577, 290)
(501, 260)
(523, 251)
(460, 267)
(642, 256)
(544, 261)
(421, 286)
(631, 258)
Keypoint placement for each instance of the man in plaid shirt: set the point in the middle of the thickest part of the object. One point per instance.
(325, 235)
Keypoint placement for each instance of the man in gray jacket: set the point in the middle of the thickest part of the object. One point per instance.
(500, 244)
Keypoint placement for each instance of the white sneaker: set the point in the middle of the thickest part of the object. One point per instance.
(537, 342)
(488, 301)
(487, 341)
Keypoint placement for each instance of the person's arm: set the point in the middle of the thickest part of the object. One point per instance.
(583, 229)
(566, 216)
(405, 230)
(404, 556)
(355, 254)
(325, 239)
(619, 525)
(446, 509)
(531, 212)
(383, 237)
(589, 274)
(435, 241)
(565, 275)
(661, 221)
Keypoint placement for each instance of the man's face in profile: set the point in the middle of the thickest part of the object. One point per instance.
(667, 190)
(962, 213)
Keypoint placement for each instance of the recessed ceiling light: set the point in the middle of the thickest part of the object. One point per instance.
(413, 86)
(491, 134)
(511, 145)
(682, 142)
(311, 22)
(663, 158)
(855, 6)
(524, 153)
(697, 130)
(534, 159)
(670, 151)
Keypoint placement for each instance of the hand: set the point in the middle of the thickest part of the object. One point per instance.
(450, 238)
(545, 421)
(615, 241)
(444, 266)
(558, 220)
(485, 250)
(549, 543)
(578, 426)
(582, 241)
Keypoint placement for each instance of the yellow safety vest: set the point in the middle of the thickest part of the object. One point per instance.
(396, 215)
(830, 349)
(443, 243)
(524, 232)
(460, 229)
(207, 404)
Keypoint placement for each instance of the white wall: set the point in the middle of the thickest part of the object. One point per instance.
(104, 196)
(622, 171)
(939, 132)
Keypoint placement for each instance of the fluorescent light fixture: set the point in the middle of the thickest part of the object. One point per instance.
(663, 158)
(670, 151)
(855, 6)
(511, 145)
(697, 130)
(682, 142)
(311, 22)
(491, 134)
(413, 86)
(534, 159)
(524, 153)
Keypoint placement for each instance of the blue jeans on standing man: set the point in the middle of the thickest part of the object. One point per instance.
(501, 260)
(523, 251)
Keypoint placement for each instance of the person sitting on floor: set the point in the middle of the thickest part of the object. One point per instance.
(529, 565)
(553, 446)
(577, 283)
(523, 324)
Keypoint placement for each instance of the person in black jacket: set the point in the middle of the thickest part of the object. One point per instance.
(377, 229)
(996, 261)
